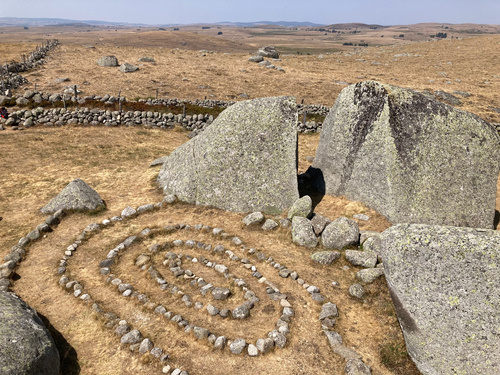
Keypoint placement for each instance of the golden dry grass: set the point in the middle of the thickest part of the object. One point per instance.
(39, 162)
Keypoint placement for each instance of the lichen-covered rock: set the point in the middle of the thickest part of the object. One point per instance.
(26, 347)
(325, 257)
(253, 219)
(444, 285)
(410, 157)
(340, 233)
(303, 232)
(76, 196)
(301, 207)
(245, 161)
(108, 61)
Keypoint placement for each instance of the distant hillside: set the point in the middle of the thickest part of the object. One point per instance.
(350, 26)
(275, 23)
(34, 22)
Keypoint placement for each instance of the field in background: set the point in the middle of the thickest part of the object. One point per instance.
(37, 163)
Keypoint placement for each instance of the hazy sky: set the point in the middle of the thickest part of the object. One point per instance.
(385, 12)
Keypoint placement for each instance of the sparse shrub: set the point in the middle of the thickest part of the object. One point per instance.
(401, 35)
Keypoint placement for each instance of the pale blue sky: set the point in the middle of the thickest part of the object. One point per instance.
(385, 12)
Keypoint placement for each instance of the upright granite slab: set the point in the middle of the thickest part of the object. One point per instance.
(26, 346)
(245, 161)
(76, 196)
(410, 157)
(444, 282)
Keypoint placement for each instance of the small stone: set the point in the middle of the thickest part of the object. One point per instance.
(128, 212)
(369, 275)
(221, 294)
(362, 217)
(237, 346)
(133, 337)
(253, 218)
(220, 343)
(252, 350)
(356, 366)
(201, 333)
(328, 310)
(366, 259)
(212, 310)
(269, 225)
(265, 345)
(278, 338)
(146, 346)
(302, 207)
(357, 291)
(325, 257)
(240, 312)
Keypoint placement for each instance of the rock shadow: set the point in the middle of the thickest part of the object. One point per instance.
(497, 219)
(312, 183)
(67, 354)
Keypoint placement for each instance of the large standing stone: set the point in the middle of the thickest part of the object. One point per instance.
(444, 285)
(26, 346)
(76, 196)
(108, 61)
(410, 157)
(245, 161)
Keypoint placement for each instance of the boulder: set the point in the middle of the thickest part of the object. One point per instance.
(302, 207)
(128, 68)
(108, 61)
(340, 233)
(410, 157)
(26, 346)
(245, 161)
(303, 232)
(268, 51)
(76, 196)
(255, 59)
(444, 285)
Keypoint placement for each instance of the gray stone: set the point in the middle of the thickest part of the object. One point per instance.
(146, 346)
(269, 224)
(76, 196)
(146, 59)
(265, 345)
(133, 337)
(325, 257)
(369, 275)
(244, 161)
(301, 207)
(448, 98)
(255, 59)
(220, 294)
(201, 333)
(128, 68)
(26, 346)
(278, 338)
(268, 51)
(319, 223)
(158, 161)
(220, 343)
(253, 218)
(128, 212)
(356, 366)
(444, 285)
(240, 312)
(410, 157)
(366, 259)
(252, 350)
(108, 61)
(303, 232)
(340, 233)
(357, 291)
(328, 310)
(237, 346)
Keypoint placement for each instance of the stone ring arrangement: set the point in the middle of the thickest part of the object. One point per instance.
(227, 261)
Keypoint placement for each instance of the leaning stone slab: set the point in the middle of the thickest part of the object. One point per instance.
(444, 285)
(410, 157)
(26, 346)
(301, 207)
(76, 196)
(245, 161)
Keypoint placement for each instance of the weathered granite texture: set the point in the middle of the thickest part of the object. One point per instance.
(245, 161)
(26, 347)
(76, 196)
(444, 284)
(410, 157)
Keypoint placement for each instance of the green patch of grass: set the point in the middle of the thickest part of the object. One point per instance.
(394, 355)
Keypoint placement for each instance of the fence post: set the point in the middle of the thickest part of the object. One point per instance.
(304, 118)
(156, 94)
(76, 92)
(64, 102)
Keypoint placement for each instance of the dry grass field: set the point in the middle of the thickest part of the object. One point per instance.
(37, 163)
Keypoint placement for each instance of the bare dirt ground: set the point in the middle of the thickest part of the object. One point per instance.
(37, 163)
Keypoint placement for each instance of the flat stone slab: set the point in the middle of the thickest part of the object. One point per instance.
(410, 157)
(444, 284)
(245, 161)
(76, 196)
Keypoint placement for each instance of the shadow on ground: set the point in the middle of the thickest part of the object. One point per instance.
(67, 354)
